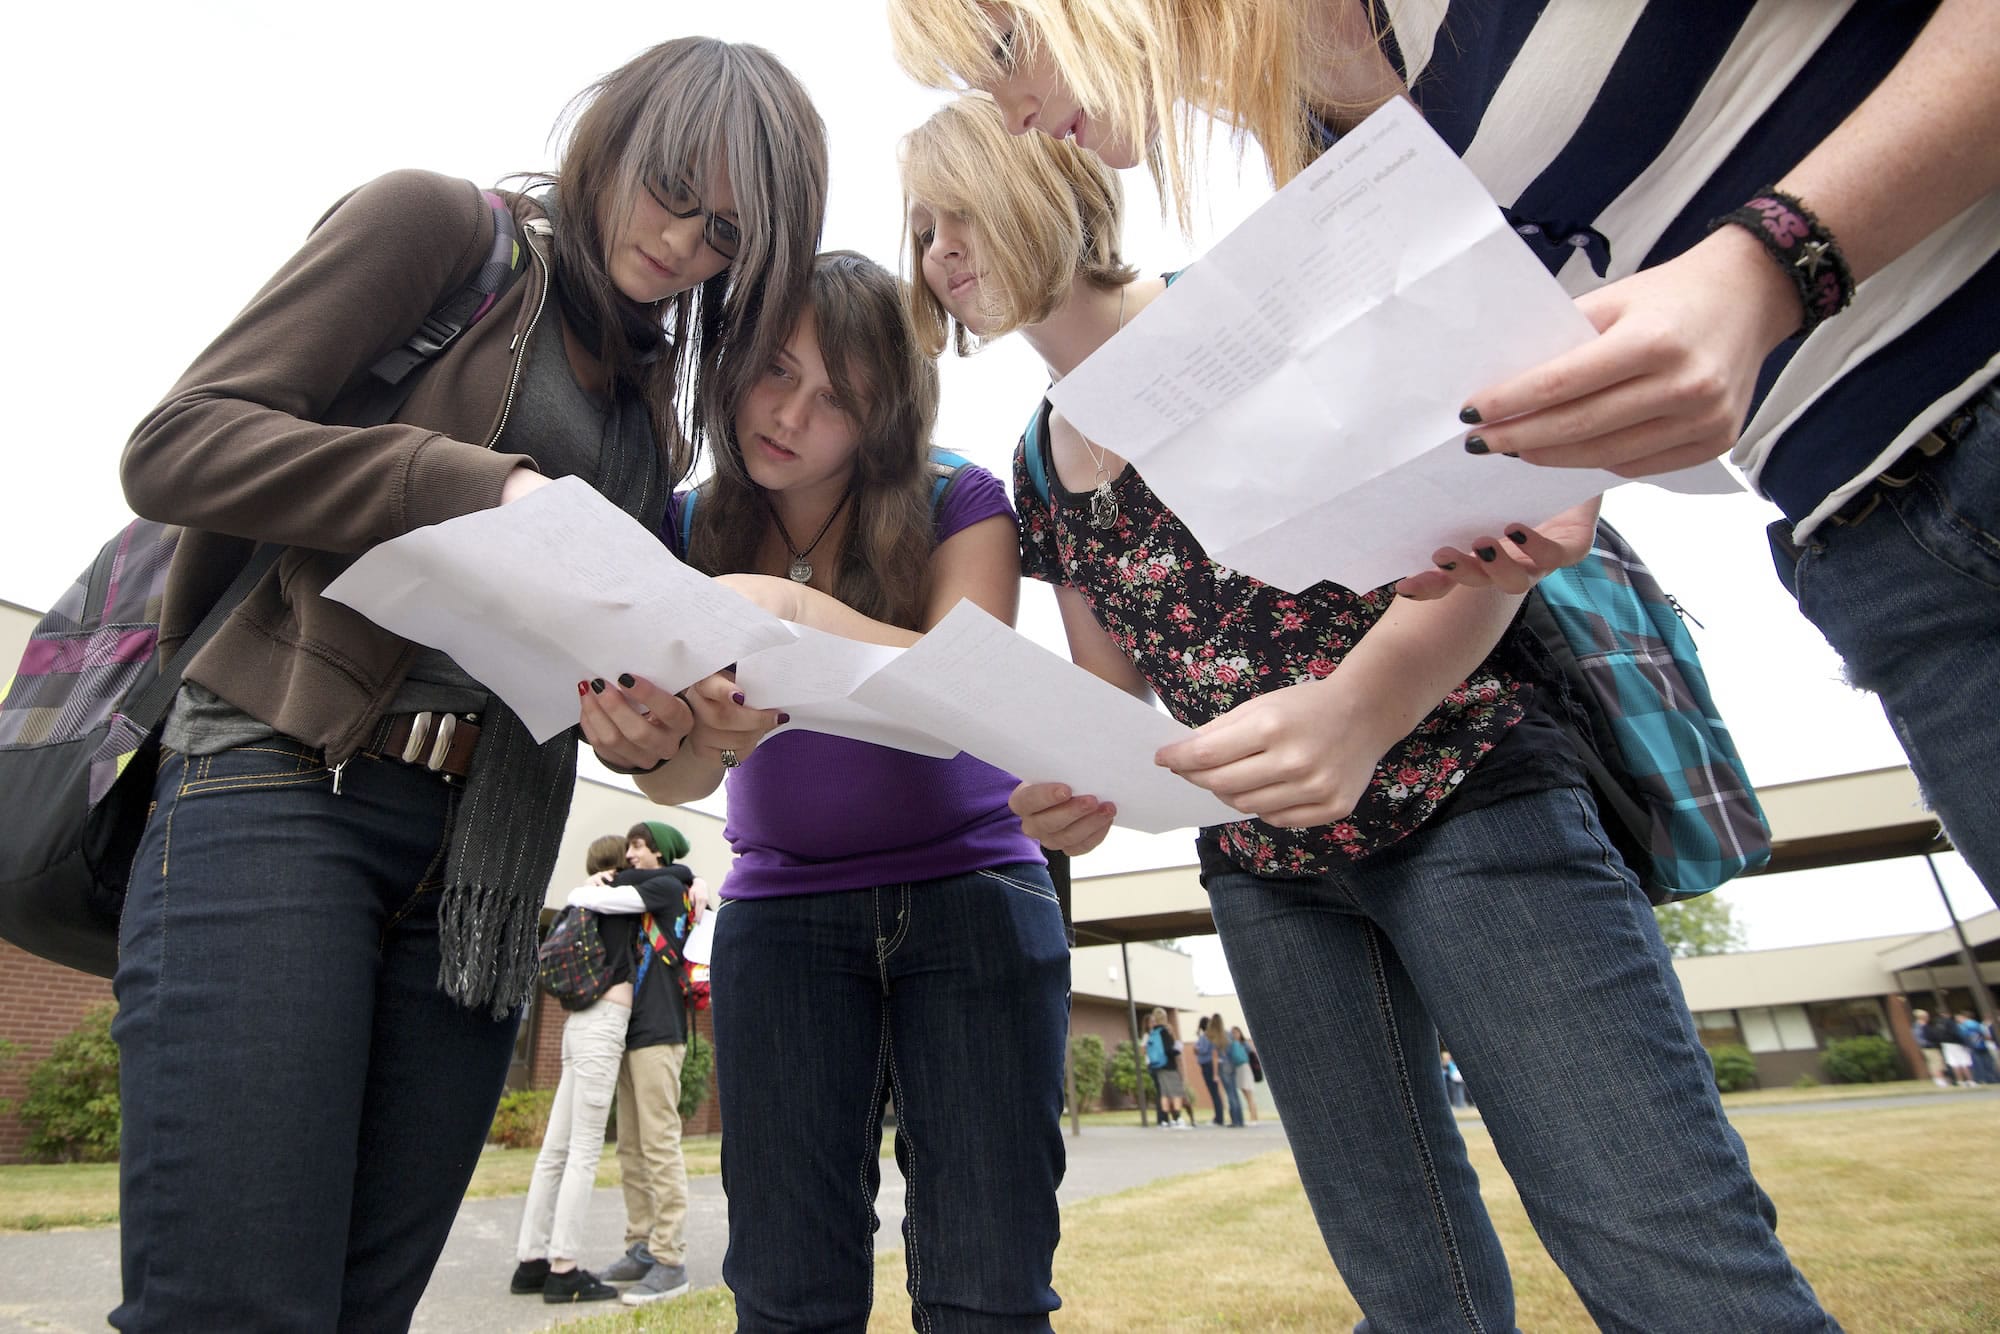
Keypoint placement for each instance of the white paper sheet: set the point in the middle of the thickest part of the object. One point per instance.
(1294, 396)
(700, 943)
(998, 695)
(813, 677)
(558, 587)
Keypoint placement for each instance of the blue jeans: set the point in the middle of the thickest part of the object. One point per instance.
(950, 995)
(1516, 931)
(1225, 1074)
(1214, 1093)
(1910, 598)
(302, 1106)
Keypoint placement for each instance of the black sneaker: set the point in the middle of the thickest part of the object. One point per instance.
(578, 1285)
(529, 1276)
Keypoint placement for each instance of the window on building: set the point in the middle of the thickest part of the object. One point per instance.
(1834, 1020)
(1777, 1028)
(1717, 1028)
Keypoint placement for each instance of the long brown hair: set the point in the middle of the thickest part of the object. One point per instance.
(876, 366)
(693, 106)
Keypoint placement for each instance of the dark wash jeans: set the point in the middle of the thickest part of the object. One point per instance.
(302, 1107)
(1516, 932)
(950, 995)
(1910, 599)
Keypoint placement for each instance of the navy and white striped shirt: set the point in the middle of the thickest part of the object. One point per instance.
(1612, 131)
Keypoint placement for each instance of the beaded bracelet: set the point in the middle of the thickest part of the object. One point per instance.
(1803, 248)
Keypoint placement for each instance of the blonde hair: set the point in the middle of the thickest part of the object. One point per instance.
(1043, 213)
(605, 853)
(1132, 63)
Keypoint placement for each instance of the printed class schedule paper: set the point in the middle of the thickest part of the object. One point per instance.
(1294, 396)
(814, 677)
(982, 686)
(559, 587)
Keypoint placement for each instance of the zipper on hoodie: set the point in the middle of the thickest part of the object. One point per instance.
(533, 227)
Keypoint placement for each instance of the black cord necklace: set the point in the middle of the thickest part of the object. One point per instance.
(801, 569)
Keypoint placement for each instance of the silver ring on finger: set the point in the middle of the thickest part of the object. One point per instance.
(729, 760)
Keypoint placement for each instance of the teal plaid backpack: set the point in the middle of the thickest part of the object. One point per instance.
(1672, 793)
(80, 720)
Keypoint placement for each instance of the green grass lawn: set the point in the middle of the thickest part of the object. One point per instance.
(1893, 1237)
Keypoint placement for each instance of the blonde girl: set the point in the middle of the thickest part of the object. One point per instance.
(1420, 850)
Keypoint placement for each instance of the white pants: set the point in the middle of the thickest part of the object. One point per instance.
(593, 1043)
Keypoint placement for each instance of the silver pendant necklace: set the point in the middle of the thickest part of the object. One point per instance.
(1104, 511)
(801, 568)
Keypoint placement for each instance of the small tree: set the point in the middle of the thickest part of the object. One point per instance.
(695, 1071)
(522, 1118)
(1706, 925)
(1864, 1060)
(71, 1107)
(1086, 1066)
(1124, 1073)
(1735, 1068)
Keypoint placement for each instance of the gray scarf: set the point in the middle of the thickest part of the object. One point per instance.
(509, 822)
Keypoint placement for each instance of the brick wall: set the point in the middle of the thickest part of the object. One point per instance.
(39, 1002)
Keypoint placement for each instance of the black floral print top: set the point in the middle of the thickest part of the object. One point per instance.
(1208, 639)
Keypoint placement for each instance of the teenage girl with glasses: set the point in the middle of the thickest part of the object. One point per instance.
(326, 947)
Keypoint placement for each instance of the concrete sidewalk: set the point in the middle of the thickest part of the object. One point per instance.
(63, 1282)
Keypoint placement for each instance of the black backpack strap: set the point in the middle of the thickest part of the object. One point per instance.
(462, 309)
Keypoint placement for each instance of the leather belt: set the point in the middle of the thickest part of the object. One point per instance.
(1898, 474)
(440, 742)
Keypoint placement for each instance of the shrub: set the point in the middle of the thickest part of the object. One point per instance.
(71, 1106)
(695, 1071)
(1805, 1081)
(1865, 1060)
(1735, 1069)
(1124, 1073)
(523, 1118)
(1086, 1067)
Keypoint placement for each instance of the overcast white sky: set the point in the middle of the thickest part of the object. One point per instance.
(165, 158)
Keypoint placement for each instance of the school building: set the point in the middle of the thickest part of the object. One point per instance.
(1784, 1005)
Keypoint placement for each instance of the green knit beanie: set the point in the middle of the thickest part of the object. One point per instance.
(671, 842)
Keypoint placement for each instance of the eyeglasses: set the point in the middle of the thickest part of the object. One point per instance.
(722, 235)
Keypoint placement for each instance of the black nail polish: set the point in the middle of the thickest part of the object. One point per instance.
(1485, 553)
(1509, 454)
(627, 680)
(1517, 537)
(1447, 565)
(1474, 445)
(1470, 415)
(596, 685)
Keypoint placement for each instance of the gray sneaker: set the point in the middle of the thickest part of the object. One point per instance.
(633, 1264)
(661, 1281)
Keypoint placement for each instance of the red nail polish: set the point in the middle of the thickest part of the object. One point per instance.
(583, 687)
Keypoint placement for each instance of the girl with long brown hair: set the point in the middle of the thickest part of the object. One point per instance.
(331, 926)
(883, 906)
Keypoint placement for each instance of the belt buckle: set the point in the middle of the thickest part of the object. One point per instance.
(420, 726)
